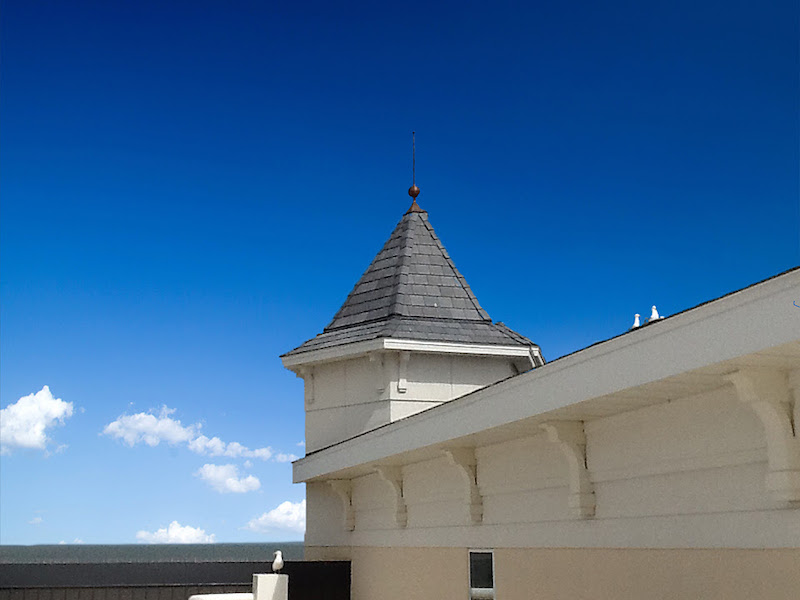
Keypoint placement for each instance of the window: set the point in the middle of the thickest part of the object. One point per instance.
(481, 575)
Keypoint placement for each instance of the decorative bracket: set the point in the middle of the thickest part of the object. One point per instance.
(570, 437)
(344, 488)
(394, 477)
(774, 398)
(402, 374)
(307, 374)
(464, 459)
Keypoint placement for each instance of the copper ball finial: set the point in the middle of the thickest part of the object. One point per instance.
(413, 191)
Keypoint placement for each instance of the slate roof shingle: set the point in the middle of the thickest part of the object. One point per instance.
(412, 290)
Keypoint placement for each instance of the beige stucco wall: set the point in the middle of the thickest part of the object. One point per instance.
(654, 574)
(424, 574)
(575, 573)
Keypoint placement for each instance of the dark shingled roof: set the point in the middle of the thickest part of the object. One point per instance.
(412, 290)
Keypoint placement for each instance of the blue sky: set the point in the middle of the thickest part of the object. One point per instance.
(190, 189)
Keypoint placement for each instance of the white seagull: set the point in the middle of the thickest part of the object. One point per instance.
(277, 564)
(654, 315)
(635, 321)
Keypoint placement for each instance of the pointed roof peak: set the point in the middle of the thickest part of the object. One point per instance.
(415, 208)
(412, 276)
(412, 290)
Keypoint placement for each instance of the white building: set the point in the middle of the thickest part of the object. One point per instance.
(446, 460)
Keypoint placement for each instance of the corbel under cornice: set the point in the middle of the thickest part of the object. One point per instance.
(466, 462)
(571, 439)
(394, 477)
(773, 396)
(344, 489)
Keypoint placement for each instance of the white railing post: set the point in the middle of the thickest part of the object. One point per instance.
(270, 586)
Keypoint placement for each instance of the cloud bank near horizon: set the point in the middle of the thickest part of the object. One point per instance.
(175, 533)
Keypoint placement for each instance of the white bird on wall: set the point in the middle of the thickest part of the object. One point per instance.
(277, 564)
(635, 321)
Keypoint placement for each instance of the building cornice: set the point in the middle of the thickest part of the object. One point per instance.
(293, 361)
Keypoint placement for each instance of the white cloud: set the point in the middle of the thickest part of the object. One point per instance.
(36, 521)
(288, 515)
(204, 445)
(225, 479)
(283, 458)
(24, 423)
(262, 453)
(302, 443)
(216, 447)
(150, 429)
(75, 541)
(175, 533)
(235, 449)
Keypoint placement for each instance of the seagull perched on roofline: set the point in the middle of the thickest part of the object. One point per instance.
(635, 321)
(277, 564)
(654, 315)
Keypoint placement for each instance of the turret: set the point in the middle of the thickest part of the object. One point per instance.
(411, 335)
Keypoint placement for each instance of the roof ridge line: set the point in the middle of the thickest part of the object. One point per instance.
(461, 279)
(511, 334)
(353, 291)
(402, 273)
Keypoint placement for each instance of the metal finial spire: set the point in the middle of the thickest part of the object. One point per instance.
(413, 191)
(413, 158)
